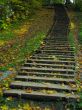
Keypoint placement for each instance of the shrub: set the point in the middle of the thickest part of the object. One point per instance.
(16, 10)
(78, 5)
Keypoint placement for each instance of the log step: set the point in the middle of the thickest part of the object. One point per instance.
(52, 58)
(34, 85)
(39, 95)
(48, 70)
(34, 78)
(62, 66)
(48, 55)
(51, 61)
(46, 74)
(57, 51)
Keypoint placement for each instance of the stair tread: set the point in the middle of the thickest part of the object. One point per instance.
(44, 78)
(50, 50)
(44, 60)
(42, 85)
(53, 74)
(52, 58)
(48, 69)
(36, 94)
(45, 55)
(51, 65)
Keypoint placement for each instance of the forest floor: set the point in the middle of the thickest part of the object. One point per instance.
(16, 44)
(13, 40)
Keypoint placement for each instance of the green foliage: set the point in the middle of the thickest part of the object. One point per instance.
(34, 43)
(71, 39)
(30, 46)
(80, 37)
(27, 48)
(47, 2)
(6, 36)
(58, 1)
(13, 10)
(78, 5)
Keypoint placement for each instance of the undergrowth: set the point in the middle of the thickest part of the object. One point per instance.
(21, 50)
(72, 41)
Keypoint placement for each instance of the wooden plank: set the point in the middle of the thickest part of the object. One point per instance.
(55, 54)
(57, 51)
(50, 65)
(57, 48)
(38, 78)
(46, 74)
(48, 55)
(50, 61)
(37, 85)
(39, 95)
(47, 69)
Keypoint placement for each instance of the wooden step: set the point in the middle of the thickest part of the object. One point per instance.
(48, 70)
(34, 78)
(58, 45)
(57, 48)
(52, 58)
(56, 42)
(58, 56)
(46, 74)
(39, 95)
(34, 85)
(54, 53)
(56, 39)
(51, 61)
(62, 66)
(57, 51)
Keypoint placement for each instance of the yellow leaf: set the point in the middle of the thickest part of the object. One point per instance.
(26, 107)
(2, 42)
(72, 26)
(9, 98)
(4, 107)
(1, 92)
(7, 85)
(29, 90)
(11, 69)
(46, 109)
(68, 94)
(13, 109)
(50, 92)
(79, 89)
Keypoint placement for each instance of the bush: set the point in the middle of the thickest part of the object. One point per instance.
(78, 5)
(36, 4)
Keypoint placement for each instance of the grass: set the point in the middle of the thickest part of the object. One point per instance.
(23, 38)
(79, 18)
(29, 47)
(7, 36)
(17, 54)
(80, 36)
(34, 43)
(71, 41)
